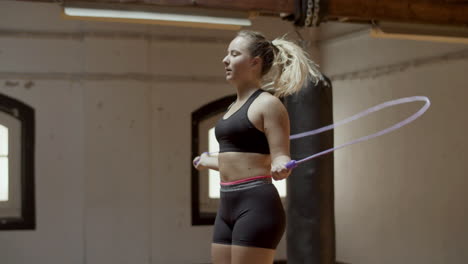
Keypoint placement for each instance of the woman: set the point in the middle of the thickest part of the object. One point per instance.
(254, 147)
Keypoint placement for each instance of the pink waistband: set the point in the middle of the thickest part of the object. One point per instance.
(246, 180)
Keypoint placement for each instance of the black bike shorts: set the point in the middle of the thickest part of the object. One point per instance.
(250, 214)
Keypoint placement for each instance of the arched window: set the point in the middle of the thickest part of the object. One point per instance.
(4, 190)
(16, 165)
(205, 184)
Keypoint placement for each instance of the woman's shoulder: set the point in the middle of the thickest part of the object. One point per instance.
(267, 98)
(268, 102)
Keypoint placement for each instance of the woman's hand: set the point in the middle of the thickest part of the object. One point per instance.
(200, 161)
(279, 171)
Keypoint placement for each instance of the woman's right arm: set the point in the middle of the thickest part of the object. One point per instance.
(205, 161)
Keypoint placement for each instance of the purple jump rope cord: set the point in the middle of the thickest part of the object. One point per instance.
(294, 163)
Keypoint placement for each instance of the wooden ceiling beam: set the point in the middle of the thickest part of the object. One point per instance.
(273, 6)
(267, 6)
(444, 12)
(447, 12)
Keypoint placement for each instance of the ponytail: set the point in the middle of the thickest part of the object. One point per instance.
(291, 69)
(285, 65)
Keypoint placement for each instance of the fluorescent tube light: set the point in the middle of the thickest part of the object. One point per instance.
(180, 16)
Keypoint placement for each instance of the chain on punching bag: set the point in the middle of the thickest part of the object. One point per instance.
(307, 13)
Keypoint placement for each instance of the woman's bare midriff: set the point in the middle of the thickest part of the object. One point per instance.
(235, 166)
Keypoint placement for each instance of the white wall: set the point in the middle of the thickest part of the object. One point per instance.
(400, 198)
(113, 106)
(59, 162)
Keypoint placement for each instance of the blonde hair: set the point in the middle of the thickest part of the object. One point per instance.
(285, 65)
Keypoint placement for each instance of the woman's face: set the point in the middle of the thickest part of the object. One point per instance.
(238, 64)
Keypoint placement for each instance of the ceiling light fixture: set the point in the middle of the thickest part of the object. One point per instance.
(162, 15)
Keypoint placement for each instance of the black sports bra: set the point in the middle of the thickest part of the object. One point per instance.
(237, 134)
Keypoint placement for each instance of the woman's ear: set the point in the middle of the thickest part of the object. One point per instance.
(256, 61)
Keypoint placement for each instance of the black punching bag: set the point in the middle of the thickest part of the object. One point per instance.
(310, 207)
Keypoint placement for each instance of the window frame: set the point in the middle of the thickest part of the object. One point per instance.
(26, 116)
(7, 156)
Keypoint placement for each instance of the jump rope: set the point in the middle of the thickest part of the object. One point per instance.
(294, 163)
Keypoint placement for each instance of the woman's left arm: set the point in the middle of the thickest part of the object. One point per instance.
(276, 128)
